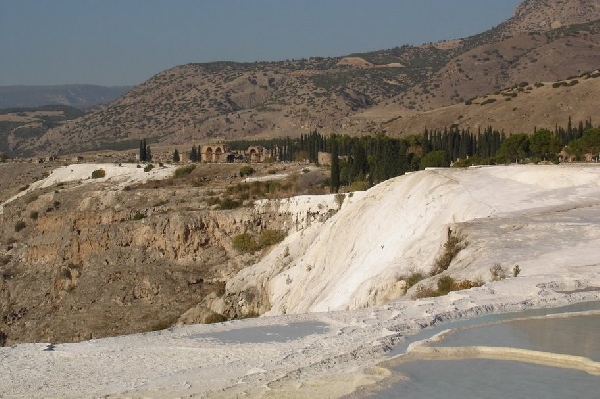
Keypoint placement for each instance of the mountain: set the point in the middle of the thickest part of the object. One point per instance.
(77, 96)
(518, 109)
(357, 94)
(544, 15)
(529, 57)
(21, 128)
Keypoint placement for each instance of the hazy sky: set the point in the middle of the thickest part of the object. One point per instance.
(125, 42)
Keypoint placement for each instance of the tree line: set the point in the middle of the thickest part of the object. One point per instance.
(375, 159)
(367, 160)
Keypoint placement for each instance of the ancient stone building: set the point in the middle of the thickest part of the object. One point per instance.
(256, 154)
(214, 153)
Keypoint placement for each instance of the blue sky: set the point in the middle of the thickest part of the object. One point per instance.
(125, 42)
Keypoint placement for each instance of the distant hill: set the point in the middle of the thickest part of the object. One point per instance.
(21, 128)
(545, 41)
(492, 66)
(77, 96)
(544, 15)
(518, 109)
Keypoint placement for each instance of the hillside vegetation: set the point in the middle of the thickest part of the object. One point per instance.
(545, 41)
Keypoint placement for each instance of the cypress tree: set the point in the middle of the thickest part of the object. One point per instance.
(335, 166)
(143, 153)
(194, 154)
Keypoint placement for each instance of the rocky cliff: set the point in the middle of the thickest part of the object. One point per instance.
(79, 261)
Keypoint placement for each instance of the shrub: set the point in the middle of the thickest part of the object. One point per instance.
(452, 247)
(445, 284)
(516, 270)
(98, 174)
(270, 237)
(413, 279)
(148, 168)
(213, 201)
(359, 185)
(229, 203)
(184, 170)
(34, 215)
(20, 225)
(244, 243)
(250, 315)
(32, 199)
(138, 216)
(466, 284)
(498, 272)
(246, 171)
(220, 288)
(423, 291)
(215, 318)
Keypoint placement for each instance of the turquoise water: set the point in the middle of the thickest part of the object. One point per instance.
(575, 335)
(276, 333)
(489, 379)
(490, 318)
(498, 379)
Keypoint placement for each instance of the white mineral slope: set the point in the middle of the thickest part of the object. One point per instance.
(358, 256)
(115, 173)
(305, 210)
(329, 360)
(545, 217)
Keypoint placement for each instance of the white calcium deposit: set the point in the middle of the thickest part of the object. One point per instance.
(333, 275)
(357, 257)
(116, 173)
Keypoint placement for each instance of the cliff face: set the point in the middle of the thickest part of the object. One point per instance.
(368, 252)
(80, 261)
(89, 269)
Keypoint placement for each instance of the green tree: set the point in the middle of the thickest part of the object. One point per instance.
(143, 156)
(513, 148)
(335, 165)
(359, 166)
(176, 157)
(194, 154)
(591, 141)
(545, 145)
(576, 147)
(434, 159)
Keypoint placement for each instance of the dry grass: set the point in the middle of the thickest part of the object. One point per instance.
(456, 243)
(445, 285)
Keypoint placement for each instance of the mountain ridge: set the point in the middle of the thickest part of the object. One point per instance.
(74, 95)
(356, 94)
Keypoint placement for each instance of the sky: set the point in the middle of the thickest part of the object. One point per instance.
(125, 42)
